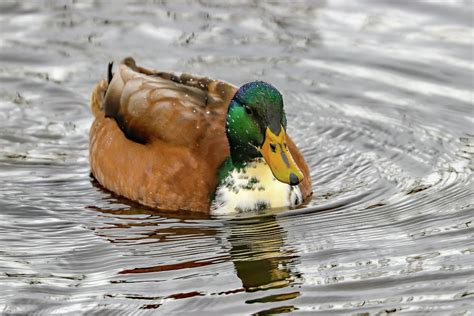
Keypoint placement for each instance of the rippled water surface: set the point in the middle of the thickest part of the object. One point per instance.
(379, 97)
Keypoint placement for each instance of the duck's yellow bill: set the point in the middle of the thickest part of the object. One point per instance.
(275, 152)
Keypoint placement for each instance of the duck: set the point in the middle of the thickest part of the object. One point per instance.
(180, 142)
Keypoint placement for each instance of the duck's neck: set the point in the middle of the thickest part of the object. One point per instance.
(241, 154)
(230, 164)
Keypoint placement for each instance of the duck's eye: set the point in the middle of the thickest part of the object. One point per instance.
(273, 147)
(248, 110)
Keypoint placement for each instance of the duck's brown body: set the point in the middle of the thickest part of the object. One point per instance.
(159, 139)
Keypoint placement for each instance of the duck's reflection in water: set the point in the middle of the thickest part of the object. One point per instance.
(263, 261)
(260, 257)
(256, 247)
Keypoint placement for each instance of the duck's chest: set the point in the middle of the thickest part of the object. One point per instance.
(253, 188)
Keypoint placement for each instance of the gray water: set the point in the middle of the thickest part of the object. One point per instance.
(379, 97)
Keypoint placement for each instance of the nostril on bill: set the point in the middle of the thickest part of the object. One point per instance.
(273, 147)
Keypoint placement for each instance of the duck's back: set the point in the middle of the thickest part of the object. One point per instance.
(159, 138)
(150, 105)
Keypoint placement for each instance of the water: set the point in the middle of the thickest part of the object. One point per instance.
(379, 98)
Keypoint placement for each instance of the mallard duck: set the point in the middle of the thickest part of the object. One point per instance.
(181, 142)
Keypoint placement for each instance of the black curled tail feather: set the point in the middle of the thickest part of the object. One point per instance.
(110, 74)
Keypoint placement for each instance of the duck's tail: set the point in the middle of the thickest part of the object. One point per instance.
(110, 74)
(98, 95)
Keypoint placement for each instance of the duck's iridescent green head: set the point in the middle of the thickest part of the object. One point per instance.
(256, 127)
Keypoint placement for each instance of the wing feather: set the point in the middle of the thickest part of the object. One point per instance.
(150, 105)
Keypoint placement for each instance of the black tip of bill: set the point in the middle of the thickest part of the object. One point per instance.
(294, 179)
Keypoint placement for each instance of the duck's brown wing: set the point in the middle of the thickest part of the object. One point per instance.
(305, 185)
(158, 138)
(150, 105)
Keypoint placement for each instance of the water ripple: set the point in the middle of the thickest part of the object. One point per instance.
(378, 97)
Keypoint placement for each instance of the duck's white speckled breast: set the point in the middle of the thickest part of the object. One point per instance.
(253, 188)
